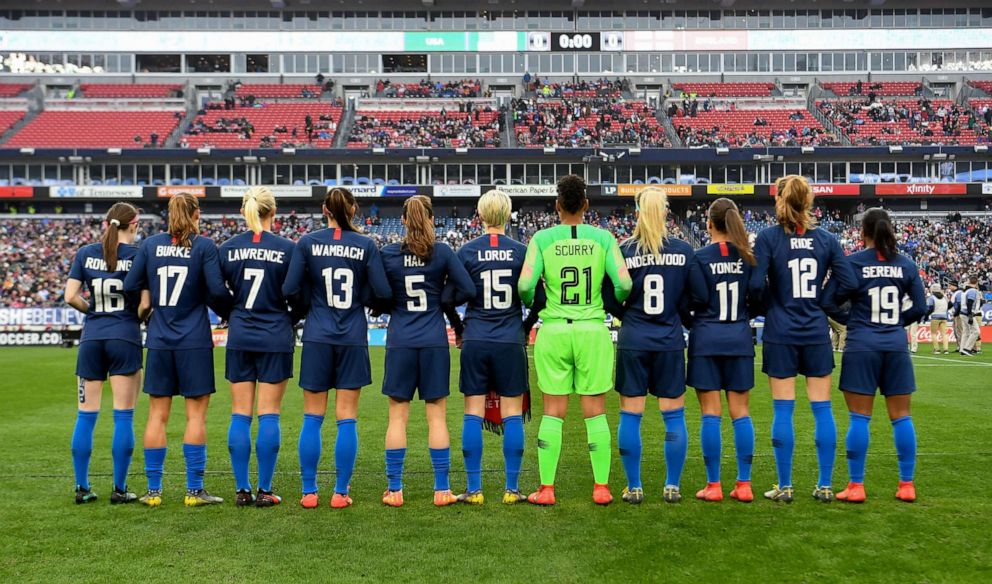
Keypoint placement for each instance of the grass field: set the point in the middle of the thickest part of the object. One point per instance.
(944, 537)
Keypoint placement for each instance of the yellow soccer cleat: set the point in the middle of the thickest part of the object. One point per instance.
(151, 499)
(472, 497)
(511, 497)
(200, 498)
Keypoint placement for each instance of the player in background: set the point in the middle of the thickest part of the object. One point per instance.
(651, 343)
(574, 351)
(181, 269)
(260, 343)
(336, 272)
(937, 306)
(417, 356)
(793, 259)
(913, 330)
(971, 331)
(876, 357)
(110, 346)
(721, 352)
(957, 323)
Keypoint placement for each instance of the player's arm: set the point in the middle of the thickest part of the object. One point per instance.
(759, 273)
(145, 305)
(530, 276)
(684, 305)
(219, 298)
(378, 282)
(918, 310)
(840, 267)
(74, 296)
(540, 301)
(616, 270)
(610, 302)
(137, 278)
(698, 290)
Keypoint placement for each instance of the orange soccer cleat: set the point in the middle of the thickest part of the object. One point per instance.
(906, 492)
(601, 494)
(854, 493)
(310, 501)
(713, 492)
(444, 498)
(543, 496)
(393, 498)
(339, 501)
(742, 492)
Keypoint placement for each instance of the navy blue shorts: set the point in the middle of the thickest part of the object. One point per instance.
(258, 366)
(662, 373)
(324, 367)
(409, 370)
(498, 367)
(785, 361)
(865, 371)
(98, 359)
(713, 373)
(186, 372)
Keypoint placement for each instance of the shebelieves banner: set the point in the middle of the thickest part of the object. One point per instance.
(628, 190)
(827, 190)
(278, 191)
(457, 190)
(722, 189)
(40, 317)
(95, 192)
(171, 191)
(19, 192)
(925, 189)
(25, 339)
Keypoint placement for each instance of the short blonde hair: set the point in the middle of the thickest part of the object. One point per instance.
(258, 203)
(494, 208)
(651, 230)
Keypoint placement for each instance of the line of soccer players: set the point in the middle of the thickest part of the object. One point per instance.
(569, 275)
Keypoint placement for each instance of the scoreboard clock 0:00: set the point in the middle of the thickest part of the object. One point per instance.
(580, 41)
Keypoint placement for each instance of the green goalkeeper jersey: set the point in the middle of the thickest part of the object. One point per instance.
(573, 260)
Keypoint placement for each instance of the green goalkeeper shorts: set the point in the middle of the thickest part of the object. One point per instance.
(574, 357)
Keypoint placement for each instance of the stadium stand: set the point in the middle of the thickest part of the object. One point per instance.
(585, 122)
(985, 86)
(128, 90)
(904, 121)
(740, 89)
(278, 91)
(438, 129)
(8, 118)
(732, 128)
(266, 125)
(879, 88)
(13, 89)
(603, 88)
(434, 89)
(95, 129)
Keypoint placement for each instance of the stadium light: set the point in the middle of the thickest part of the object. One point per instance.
(722, 151)
(808, 150)
(114, 151)
(203, 151)
(76, 159)
(940, 156)
(289, 151)
(895, 149)
(27, 151)
(462, 150)
(981, 148)
(379, 151)
(249, 159)
(634, 151)
(549, 149)
(422, 159)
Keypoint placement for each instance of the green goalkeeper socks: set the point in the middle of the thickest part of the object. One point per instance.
(549, 447)
(600, 448)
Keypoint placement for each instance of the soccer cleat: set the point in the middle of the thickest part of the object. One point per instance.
(153, 498)
(84, 495)
(444, 498)
(267, 499)
(780, 494)
(947, 352)
(601, 494)
(310, 501)
(632, 496)
(823, 494)
(512, 497)
(393, 498)
(244, 499)
(118, 497)
(339, 501)
(543, 496)
(742, 492)
(854, 493)
(472, 497)
(906, 492)
(200, 498)
(712, 492)
(671, 494)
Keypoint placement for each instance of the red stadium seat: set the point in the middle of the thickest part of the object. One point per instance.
(264, 118)
(13, 89)
(385, 129)
(8, 118)
(735, 126)
(129, 90)
(881, 88)
(277, 90)
(737, 89)
(94, 129)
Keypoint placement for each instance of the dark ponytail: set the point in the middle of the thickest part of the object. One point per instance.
(726, 218)
(875, 224)
(119, 217)
(419, 215)
(340, 205)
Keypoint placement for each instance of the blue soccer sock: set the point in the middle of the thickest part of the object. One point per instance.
(629, 444)
(711, 443)
(309, 449)
(239, 445)
(441, 461)
(196, 465)
(857, 446)
(905, 436)
(783, 439)
(825, 437)
(513, 449)
(122, 446)
(472, 451)
(744, 446)
(345, 453)
(676, 445)
(82, 446)
(267, 445)
(154, 465)
(394, 468)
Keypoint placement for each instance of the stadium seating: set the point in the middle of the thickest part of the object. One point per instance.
(398, 129)
(985, 86)
(264, 118)
(429, 89)
(128, 90)
(599, 121)
(13, 89)
(94, 129)
(864, 127)
(279, 91)
(725, 89)
(8, 118)
(880, 88)
(736, 128)
(600, 88)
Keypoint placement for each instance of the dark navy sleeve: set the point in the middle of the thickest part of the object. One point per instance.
(763, 255)
(220, 299)
(464, 286)
(293, 283)
(699, 292)
(137, 278)
(76, 271)
(840, 267)
(832, 304)
(610, 302)
(916, 294)
(377, 274)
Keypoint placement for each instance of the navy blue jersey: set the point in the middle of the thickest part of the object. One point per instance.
(255, 268)
(494, 314)
(794, 267)
(182, 281)
(718, 284)
(877, 316)
(415, 319)
(651, 317)
(341, 271)
(113, 314)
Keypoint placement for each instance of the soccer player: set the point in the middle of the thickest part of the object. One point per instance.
(574, 351)
(876, 357)
(937, 306)
(971, 318)
(181, 269)
(260, 343)
(335, 271)
(651, 344)
(417, 357)
(721, 352)
(110, 346)
(793, 258)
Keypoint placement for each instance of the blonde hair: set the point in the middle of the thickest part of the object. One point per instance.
(494, 208)
(652, 221)
(257, 204)
(793, 201)
(182, 223)
(419, 215)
